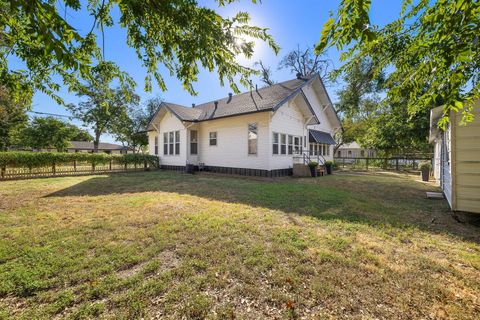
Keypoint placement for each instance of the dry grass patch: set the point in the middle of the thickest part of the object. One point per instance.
(166, 245)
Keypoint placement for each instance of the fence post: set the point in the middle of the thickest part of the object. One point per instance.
(75, 165)
(396, 165)
(53, 168)
(110, 165)
(145, 165)
(343, 159)
(93, 166)
(413, 164)
(367, 163)
(125, 166)
(4, 168)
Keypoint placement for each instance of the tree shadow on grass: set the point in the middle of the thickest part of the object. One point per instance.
(377, 200)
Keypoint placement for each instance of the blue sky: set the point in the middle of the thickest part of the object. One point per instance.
(291, 23)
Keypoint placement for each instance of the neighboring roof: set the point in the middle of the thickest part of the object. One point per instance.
(86, 145)
(263, 99)
(321, 137)
(351, 145)
(435, 115)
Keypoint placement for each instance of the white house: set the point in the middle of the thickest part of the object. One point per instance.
(354, 150)
(261, 132)
(456, 164)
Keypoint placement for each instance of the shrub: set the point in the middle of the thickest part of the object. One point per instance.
(424, 165)
(312, 164)
(329, 163)
(48, 159)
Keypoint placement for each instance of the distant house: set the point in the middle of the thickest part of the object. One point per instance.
(354, 150)
(86, 146)
(457, 159)
(260, 132)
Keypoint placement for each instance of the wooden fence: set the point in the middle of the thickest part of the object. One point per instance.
(75, 168)
(397, 164)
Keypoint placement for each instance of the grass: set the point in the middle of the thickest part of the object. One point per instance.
(167, 245)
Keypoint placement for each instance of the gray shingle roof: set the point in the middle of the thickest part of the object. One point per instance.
(263, 99)
(86, 145)
(321, 137)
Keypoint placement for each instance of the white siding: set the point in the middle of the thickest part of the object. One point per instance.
(232, 142)
(151, 142)
(171, 123)
(287, 120)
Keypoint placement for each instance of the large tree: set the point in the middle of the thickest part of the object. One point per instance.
(432, 51)
(305, 62)
(130, 129)
(13, 118)
(358, 102)
(49, 133)
(180, 35)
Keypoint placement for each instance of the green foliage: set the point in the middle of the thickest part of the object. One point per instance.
(328, 163)
(13, 118)
(130, 127)
(425, 165)
(313, 164)
(180, 35)
(47, 159)
(104, 106)
(50, 133)
(432, 50)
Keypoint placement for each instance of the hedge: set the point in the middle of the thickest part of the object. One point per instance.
(46, 159)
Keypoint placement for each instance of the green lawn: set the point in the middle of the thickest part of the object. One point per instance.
(169, 245)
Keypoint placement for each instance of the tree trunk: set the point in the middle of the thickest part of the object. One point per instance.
(96, 142)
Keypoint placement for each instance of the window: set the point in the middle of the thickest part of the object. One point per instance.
(275, 143)
(165, 143)
(339, 153)
(297, 144)
(252, 138)
(324, 153)
(302, 143)
(362, 153)
(311, 149)
(193, 142)
(177, 142)
(171, 141)
(328, 150)
(349, 153)
(156, 145)
(213, 138)
(290, 144)
(283, 144)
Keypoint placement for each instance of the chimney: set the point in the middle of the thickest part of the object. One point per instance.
(214, 110)
(229, 97)
(299, 75)
(193, 105)
(216, 104)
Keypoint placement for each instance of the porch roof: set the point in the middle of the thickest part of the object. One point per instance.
(320, 137)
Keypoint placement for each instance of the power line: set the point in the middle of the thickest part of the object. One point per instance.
(54, 114)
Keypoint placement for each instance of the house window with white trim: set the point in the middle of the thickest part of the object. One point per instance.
(156, 145)
(283, 144)
(290, 144)
(252, 138)
(328, 150)
(311, 149)
(193, 142)
(297, 145)
(165, 143)
(177, 142)
(171, 142)
(213, 138)
(275, 143)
